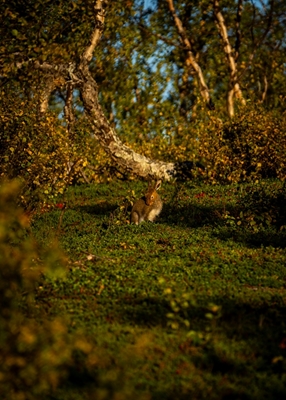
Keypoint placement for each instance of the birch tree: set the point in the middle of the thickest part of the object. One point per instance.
(231, 56)
(62, 47)
(77, 75)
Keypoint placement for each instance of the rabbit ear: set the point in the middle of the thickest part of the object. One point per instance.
(158, 184)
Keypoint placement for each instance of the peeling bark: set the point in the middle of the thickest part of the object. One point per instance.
(52, 77)
(125, 157)
(99, 14)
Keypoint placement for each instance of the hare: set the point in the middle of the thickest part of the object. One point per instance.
(148, 207)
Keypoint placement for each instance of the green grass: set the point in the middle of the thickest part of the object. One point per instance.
(190, 307)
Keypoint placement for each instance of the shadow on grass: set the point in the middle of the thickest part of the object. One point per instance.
(102, 208)
(192, 216)
(147, 312)
(254, 239)
(245, 340)
(234, 358)
(263, 313)
(195, 216)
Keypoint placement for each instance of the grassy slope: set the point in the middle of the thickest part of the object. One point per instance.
(190, 307)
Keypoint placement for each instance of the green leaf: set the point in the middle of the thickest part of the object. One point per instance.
(15, 32)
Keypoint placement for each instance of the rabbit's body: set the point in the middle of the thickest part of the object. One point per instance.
(148, 207)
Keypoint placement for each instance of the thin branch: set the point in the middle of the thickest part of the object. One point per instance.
(265, 89)
(85, 178)
(220, 22)
(238, 29)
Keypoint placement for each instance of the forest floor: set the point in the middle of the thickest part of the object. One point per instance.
(192, 306)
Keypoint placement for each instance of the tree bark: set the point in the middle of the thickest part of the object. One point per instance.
(49, 83)
(126, 159)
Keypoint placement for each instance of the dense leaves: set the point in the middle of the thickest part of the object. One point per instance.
(43, 30)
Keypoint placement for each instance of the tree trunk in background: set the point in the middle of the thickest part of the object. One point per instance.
(190, 58)
(234, 90)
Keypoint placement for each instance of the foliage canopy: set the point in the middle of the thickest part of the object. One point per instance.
(149, 91)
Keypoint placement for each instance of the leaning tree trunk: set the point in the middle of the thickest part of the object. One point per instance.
(124, 157)
(78, 76)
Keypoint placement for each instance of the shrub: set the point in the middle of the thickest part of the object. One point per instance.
(263, 206)
(34, 357)
(37, 150)
(249, 147)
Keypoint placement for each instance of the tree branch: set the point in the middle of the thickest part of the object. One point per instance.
(125, 158)
(99, 13)
(79, 76)
(263, 97)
